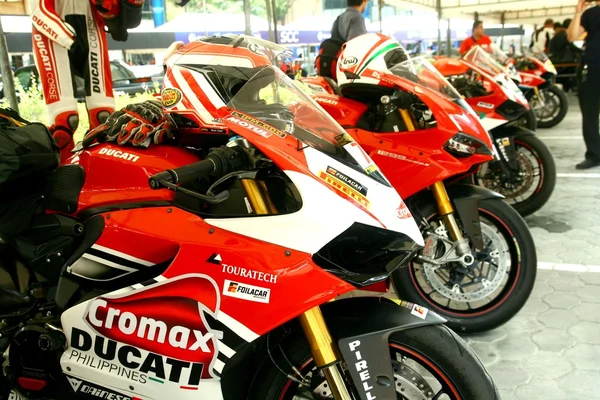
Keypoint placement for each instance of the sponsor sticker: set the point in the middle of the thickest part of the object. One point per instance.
(419, 311)
(246, 292)
(402, 211)
(362, 368)
(354, 184)
(255, 125)
(156, 334)
(344, 188)
(170, 97)
(101, 392)
(349, 62)
(229, 269)
(485, 105)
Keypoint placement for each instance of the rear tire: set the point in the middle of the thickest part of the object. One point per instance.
(435, 344)
(508, 301)
(563, 108)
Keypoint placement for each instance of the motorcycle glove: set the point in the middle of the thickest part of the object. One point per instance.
(137, 124)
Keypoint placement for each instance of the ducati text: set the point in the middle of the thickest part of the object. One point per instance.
(119, 154)
(128, 361)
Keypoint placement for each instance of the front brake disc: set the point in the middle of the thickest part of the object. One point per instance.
(483, 286)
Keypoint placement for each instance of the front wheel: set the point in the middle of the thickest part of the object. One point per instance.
(531, 184)
(556, 106)
(429, 362)
(485, 294)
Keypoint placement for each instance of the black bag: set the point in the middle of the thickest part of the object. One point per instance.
(329, 51)
(27, 150)
(28, 155)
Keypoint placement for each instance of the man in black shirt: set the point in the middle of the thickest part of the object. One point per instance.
(588, 21)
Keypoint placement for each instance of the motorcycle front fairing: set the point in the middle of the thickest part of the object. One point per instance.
(320, 158)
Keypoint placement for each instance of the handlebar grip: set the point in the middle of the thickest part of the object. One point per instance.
(184, 175)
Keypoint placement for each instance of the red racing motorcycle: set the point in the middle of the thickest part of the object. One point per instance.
(478, 265)
(536, 75)
(209, 271)
(525, 173)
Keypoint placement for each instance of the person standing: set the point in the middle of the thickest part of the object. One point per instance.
(541, 38)
(351, 22)
(588, 21)
(347, 26)
(477, 38)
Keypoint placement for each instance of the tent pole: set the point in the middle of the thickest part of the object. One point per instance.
(438, 6)
(7, 75)
(521, 38)
(380, 16)
(502, 20)
(204, 11)
(247, 28)
(448, 40)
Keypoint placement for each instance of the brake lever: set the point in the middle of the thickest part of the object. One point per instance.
(216, 199)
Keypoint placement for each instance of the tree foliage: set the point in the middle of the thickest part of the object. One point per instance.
(257, 7)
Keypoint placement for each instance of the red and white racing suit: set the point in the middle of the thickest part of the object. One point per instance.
(69, 43)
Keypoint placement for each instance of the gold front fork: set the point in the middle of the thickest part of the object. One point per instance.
(322, 347)
(439, 191)
(446, 210)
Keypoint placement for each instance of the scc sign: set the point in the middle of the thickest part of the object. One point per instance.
(289, 37)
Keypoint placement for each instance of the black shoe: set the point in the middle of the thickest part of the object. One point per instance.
(587, 164)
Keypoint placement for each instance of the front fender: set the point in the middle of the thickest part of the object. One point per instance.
(510, 131)
(466, 200)
(362, 327)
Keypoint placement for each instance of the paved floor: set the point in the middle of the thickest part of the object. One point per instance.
(551, 349)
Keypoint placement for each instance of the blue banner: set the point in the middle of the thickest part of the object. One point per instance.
(298, 38)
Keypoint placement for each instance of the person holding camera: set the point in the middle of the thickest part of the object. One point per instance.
(587, 21)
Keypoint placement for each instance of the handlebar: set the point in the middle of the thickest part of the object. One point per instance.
(219, 162)
(184, 175)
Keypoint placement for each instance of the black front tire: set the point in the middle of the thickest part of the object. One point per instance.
(547, 170)
(512, 297)
(563, 108)
(439, 346)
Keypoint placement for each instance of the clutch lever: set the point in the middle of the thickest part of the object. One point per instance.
(216, 199)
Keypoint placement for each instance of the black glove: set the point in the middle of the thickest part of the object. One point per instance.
(137, 124)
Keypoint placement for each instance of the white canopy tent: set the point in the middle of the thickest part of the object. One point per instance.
(520, 12)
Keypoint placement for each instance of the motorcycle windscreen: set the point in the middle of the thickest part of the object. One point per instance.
(503, 59)
(484, 60)
(271, 106)
(420, 70)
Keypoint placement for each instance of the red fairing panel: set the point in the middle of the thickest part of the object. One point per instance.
(284, 286)
(118, 174)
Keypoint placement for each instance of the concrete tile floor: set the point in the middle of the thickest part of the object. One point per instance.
(551, 349)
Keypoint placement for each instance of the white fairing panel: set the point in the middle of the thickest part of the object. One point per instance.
(491, 123)
(325, 214)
